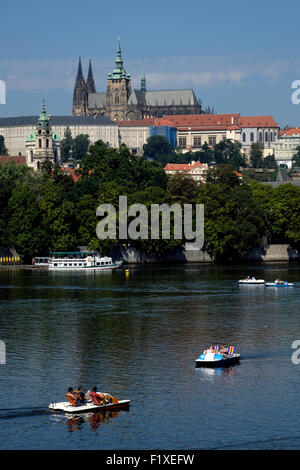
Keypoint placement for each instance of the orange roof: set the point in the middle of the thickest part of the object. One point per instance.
(258, 121)
(18, 159)
(142, 123)
(291, 131)
(183, 166)
(200, 120)
(70, 172)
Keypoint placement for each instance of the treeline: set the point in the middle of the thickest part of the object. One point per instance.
(47, 210)
(226, 151)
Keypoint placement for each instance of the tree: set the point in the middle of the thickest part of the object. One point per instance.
(182, 188)
(80, 146)
(66, 145)
(3, 149)
(224, 174)
(269, 162)
(256, 155)
(227, 151)
(296, 157)
(157, 148)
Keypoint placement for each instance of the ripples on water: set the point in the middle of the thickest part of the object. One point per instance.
(137, 337)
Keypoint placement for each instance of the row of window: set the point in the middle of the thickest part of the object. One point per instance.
(99, 263)
(260, 136)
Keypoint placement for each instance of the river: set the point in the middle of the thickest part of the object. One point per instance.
(136, 335)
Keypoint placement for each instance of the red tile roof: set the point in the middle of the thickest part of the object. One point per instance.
(142, 123)
(183, 166)
(291, 131)
(258, 121)
(18, 159)
(200, 120)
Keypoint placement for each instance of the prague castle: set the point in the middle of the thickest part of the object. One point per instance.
(121, 103)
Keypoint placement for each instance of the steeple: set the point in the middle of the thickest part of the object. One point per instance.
(90, 83)
(143, 79)
(80, 96)
(119, 71)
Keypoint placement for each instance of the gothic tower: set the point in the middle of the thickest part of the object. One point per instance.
(90, 83)
(80, 96)
(118, 89)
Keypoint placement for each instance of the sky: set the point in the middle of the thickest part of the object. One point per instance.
(238, 57)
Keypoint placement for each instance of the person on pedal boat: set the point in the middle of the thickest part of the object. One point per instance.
(71, 396)
(95, 396)
(80, 395)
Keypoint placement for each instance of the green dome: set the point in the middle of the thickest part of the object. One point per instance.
(31, 137)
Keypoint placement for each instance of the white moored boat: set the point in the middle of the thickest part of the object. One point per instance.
(81, 261)
(251, 280)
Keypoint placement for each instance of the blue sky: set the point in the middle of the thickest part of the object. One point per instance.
(237, 56)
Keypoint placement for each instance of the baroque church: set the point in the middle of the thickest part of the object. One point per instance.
(121, 103)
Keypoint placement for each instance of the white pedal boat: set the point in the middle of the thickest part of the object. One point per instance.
(216, 359)
(279, 284)
(251, 281)
(89, 406)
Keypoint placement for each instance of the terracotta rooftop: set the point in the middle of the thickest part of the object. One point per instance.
(18, 159)
(257, 121)
(200, 120)
(290, 131)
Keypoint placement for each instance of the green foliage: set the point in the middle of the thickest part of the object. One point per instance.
(80, 146)
(256, 155)
(296, 158)
(3, 149)
(66, 145)
(157, 148)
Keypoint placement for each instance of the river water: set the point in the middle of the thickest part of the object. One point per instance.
(136, 335)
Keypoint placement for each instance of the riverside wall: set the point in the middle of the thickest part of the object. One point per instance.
(263, 253)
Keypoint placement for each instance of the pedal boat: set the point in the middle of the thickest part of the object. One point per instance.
(212, 359)
(279, 284)
(251, 281)
(89, 406)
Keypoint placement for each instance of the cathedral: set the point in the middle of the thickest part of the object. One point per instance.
(121, 103)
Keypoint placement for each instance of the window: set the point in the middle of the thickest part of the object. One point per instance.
(252, 137)
(212, 140)
(266, 137)
(47, 143)
(260, 136)
(271, 137)
(182, 142)
(197, 142)
(244, 137)
(40, 143)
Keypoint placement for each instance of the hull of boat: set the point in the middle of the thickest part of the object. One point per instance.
(229, 361)
(273, 284)
(88, 268)
(257, 282)
(88, 407)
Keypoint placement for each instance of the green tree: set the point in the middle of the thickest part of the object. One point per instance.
(80, 146)
(3, 149)
(182, 188)
(256, 155)
(66, 145)
(227, 151)
(296, 157)
(158, 148)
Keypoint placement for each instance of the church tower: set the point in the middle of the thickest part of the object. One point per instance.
(90, 83)
(80, 96)
(43, 144)
(118, 89)
(143, 80)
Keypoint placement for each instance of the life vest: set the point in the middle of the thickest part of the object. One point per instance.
(96, 398)
(70, 398)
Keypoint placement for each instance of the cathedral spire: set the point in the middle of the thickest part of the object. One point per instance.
(79, 77)
(90, 83)
(80, 96)
(143, 79)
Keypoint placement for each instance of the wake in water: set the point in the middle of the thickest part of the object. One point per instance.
(7, 413)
